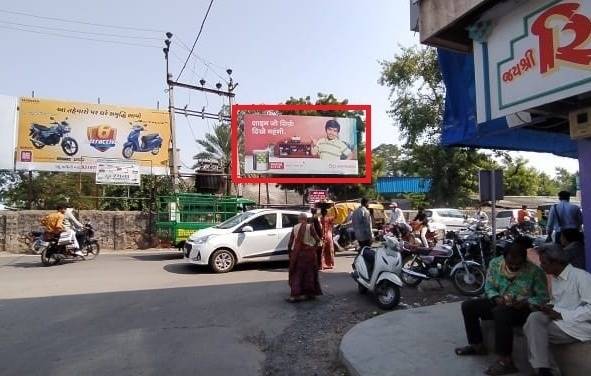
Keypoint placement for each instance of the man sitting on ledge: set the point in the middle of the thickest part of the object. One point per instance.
(569, 319)
(512, 284)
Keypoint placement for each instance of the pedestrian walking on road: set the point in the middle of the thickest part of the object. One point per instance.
(564, 215)
(327, 259)
(361, 221)
(303, 261)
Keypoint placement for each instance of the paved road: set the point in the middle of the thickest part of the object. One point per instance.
(152, 314)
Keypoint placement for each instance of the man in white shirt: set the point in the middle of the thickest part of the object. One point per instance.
(569, 319)
(480, 215)
(396, 215)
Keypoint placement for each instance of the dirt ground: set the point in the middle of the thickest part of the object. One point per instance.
(310, 345)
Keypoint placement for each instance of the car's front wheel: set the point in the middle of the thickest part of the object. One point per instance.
(222, 261)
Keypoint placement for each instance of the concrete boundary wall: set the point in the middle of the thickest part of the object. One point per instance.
(119, 230)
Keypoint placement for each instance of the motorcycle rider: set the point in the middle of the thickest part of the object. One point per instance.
(54, 223)
(397, 219)
(71, 224)
(480, 215)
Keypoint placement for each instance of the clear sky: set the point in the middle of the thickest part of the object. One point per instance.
(276, 48)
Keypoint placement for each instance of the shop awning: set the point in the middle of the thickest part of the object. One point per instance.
(459, 126)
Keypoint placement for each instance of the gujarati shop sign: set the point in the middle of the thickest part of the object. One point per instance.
(534, 54)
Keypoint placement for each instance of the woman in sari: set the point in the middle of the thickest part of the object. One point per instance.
(303, 262)
(327, 261)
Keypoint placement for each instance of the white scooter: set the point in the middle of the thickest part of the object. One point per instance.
(378, 270)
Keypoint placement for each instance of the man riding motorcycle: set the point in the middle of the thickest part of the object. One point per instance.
(62, 224)
(397, 222)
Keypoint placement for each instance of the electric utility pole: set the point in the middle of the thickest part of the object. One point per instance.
(172, 110)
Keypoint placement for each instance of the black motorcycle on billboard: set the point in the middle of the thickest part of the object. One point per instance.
(54, 134)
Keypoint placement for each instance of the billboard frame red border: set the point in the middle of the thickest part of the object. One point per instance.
(237, 179)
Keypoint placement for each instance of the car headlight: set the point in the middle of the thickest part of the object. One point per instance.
(203, 239)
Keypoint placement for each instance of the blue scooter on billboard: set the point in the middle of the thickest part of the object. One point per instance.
(41, 136)
(151, 142)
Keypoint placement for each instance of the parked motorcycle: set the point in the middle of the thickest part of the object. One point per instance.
(475, 242)
(377, 270)
(53, 253)
(506, 238)
(443, 261)
(148, 143)
(41, 136)
(343, 237)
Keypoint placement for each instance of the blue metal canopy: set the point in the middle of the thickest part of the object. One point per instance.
(460, 128)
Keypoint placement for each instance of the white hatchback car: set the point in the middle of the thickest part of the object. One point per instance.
(254, 235)
(453, 219)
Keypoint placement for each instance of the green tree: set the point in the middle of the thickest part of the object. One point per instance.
(391, 157)
(44, 190)
(216, 146)
(547, 185)
(417, 96)
(417, 93)
(520, 179)
(565, 180)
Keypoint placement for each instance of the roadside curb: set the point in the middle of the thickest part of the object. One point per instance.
(105, 252)
(348, 365)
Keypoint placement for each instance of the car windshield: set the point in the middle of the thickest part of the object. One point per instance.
(235, 220)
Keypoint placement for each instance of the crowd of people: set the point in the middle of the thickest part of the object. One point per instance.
(550, 301)
(517, 294)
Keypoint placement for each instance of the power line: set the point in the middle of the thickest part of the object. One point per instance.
(196, 39)
(207, 63)
(178, 58)
(79, 31)
(76, 37)
(79, 22)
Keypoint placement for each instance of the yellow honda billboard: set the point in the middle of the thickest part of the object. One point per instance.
(69, 136)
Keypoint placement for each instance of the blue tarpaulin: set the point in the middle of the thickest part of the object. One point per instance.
(402, 184)
(460, 128)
